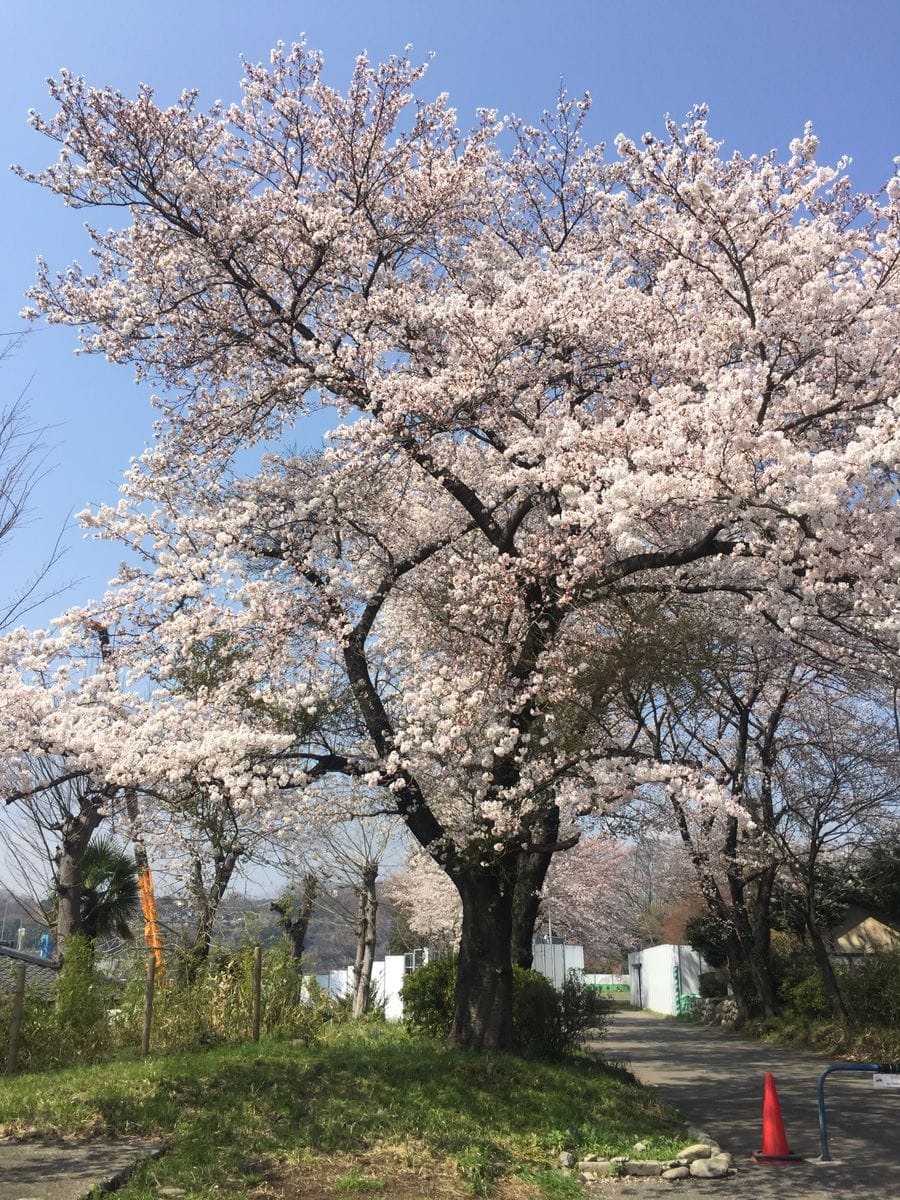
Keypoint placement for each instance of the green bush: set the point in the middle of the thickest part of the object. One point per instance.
(708, 935)
(83, 1000)
(71, 1024)
(537, 1014)
(545, 1021)
(428, 994)
(582, 1008)
(871, 990)
(806, 998)
(92, 1018)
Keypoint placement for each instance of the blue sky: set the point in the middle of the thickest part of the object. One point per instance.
(764, 67)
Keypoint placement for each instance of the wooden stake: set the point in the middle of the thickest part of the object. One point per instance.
(15, 1025)
(148, 1004)
(257, 990)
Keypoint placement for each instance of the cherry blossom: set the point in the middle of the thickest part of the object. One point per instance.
(563, 383)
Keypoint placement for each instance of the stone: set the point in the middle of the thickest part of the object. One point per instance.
(640, 1147)
(566, 1159)
(596, 1167)
(170, 1193)
(591, 1157)
(645, 1167)
(678, 1172)
(690, 1153)
(706, 1168)
(723, 1158)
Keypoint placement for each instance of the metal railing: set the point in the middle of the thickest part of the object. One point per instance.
(875, 1068)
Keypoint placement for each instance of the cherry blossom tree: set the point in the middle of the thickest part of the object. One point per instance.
(560, 382)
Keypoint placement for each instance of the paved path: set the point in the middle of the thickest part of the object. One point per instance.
(716, 1079)
(39, 1170)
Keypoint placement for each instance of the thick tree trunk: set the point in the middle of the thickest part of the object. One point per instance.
(749, 909)
(366, 927)
(759, 919)
(526, 906)
(759, 960)
(482, 1018)
(761, 972)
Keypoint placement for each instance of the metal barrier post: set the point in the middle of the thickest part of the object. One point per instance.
(875, 1068)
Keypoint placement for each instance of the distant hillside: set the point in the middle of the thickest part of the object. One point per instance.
(330, 942)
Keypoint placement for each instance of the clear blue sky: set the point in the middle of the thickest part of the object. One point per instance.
(764, 66)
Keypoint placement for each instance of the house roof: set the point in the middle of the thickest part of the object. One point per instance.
(856, 914)
(40, 973)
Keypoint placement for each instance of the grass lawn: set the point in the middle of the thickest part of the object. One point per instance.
(365, 1112)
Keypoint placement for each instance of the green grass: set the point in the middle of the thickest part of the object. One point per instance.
(348, 1107)
(861, 1044)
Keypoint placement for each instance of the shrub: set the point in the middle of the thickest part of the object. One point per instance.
(871, 990)
(83, 1001)
(537, 1014)
(72, 1025)
(806, 998)
(708, 934)
(428, 997)
(210, 1003)
(582, 1008)
(545, 1021)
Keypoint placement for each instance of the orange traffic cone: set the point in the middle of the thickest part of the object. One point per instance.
(775, 1146)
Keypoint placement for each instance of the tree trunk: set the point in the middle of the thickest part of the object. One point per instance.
(749, 910)
(526, 906)
(761, 972)
(482, 1018)
(208, 900)
(830, 984)
(295, 926)
(365, 943)
(530, 877)
(737, 977)
(759, 920)
(76, 833)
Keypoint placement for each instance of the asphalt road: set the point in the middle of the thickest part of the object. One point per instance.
(716, 1079)
(59, 1170)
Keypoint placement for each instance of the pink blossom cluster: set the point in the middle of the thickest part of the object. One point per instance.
(563, 385)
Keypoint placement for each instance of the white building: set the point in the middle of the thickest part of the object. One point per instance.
(662, 977)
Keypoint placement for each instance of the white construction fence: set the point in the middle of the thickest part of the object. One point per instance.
(552, 957)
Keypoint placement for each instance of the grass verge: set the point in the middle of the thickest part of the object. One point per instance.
(865, 1044)
(364, 1112)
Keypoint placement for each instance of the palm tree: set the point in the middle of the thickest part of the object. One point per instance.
(109, 890)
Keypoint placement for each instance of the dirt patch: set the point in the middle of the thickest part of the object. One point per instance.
(378, 1175)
